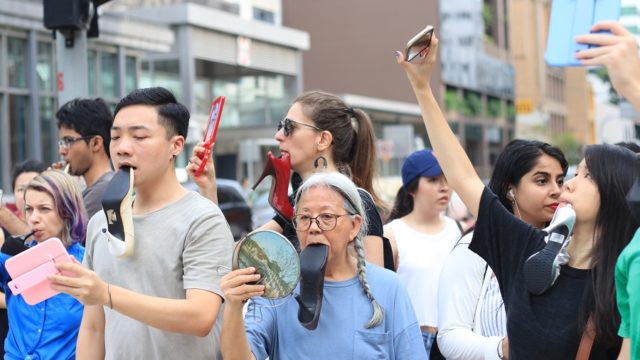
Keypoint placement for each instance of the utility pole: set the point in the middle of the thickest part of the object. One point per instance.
(72, 21)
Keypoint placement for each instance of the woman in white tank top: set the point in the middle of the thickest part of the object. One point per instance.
(423, 236)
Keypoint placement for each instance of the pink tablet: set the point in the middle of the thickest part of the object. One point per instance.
(30, 269)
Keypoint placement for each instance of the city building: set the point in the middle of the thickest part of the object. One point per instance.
(553, 104)
(351, 54)
(198, 49)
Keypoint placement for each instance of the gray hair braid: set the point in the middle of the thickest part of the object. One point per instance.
(378, 312)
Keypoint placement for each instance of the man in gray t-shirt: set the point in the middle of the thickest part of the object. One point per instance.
(163, 301)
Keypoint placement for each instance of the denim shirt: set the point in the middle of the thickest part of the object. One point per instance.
(48, 330)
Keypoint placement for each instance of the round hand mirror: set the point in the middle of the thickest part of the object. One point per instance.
(273, 257)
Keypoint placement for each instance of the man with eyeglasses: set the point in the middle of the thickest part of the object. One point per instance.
(84, 127)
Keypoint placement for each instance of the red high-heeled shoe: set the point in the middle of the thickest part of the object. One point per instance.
(280, 170)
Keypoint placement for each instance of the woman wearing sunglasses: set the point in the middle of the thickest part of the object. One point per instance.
(580, 306)
(321, 133)
(366, 312)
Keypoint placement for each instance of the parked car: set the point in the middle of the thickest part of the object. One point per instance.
(233, 206)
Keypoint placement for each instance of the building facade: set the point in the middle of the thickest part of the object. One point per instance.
(197, 50)
(351, 54)
(553, 104)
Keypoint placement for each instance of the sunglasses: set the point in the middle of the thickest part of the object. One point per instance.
(288, 125)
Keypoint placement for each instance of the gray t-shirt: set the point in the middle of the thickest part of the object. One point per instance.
(92, 195)
(185, 245)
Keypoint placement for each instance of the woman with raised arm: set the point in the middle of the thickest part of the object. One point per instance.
(366, 313)
(527, 179)
(548, 324)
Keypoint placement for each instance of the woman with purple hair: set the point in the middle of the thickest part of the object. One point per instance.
(49, 329)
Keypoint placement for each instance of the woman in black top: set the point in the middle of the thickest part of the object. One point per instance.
(319, 126)
(321, 133)
(549, 325)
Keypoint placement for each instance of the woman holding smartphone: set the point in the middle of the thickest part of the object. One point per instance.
(320, 133)
(53, 207)
(549, 325)
(527, 179)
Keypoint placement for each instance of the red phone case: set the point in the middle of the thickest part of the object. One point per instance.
(30, 269)
(214, 116)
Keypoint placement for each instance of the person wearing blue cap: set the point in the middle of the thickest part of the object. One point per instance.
(423, 235)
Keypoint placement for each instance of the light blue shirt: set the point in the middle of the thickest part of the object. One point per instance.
(48, 330)
(273, 328)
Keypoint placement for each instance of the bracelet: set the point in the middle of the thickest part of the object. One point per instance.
(499, 349)
(109, 292)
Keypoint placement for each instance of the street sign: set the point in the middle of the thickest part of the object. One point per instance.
(524, 106)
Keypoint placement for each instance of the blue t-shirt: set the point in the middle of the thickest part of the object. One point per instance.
(273, 328)
(48, 330)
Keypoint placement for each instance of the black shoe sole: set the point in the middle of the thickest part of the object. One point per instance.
(313, 263)
(539, 270)
(116, 202)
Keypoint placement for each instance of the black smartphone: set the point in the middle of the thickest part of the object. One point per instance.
(419, 43)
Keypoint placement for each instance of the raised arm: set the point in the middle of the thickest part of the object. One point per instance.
(11, 222)
(237, 290)
(617, 51)
(451, 156)
(206, 181)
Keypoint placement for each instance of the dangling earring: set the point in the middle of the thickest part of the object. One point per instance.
(316, 162)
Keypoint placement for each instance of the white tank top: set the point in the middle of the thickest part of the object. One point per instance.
(421, 257)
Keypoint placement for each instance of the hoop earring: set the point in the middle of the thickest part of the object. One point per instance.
(316, 162)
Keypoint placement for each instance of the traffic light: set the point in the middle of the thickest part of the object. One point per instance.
(93, 27)
(68, 16)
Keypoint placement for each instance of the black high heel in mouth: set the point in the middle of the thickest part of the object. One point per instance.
(117, 200)
(542, 268)
(313, 264)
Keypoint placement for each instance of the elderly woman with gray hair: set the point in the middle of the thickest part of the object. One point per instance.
(366, 313)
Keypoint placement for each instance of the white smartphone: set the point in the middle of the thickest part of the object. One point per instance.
(419, 43)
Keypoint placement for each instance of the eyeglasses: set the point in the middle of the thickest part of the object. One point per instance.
(325, 222)
(288, 126)
(67, 141)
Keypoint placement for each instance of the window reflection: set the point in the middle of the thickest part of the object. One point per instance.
(16, 62)
(48, 128)
(92, 62)
(130, 74)
(18, 108)
(108, 74)
(44, 66)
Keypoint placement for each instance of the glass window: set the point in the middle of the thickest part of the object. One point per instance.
(18, 109)
(17, 62)
(92, 65)
(263, 15)
(108, 75)
(48, 128)
(202, 95)
(166, 73)
(256, 99)
(130, 74)
(44, 66)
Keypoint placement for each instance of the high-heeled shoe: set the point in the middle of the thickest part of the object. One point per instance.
(280, 170)
(542, 268)
(117, 200)
(313, 263)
